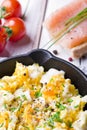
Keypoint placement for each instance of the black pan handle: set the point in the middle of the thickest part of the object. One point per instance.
(40, 56)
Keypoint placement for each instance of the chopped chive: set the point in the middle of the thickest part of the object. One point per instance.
(50, 122)
(63, 85)
(18, 97)
(38, 94)
(20, 105)
(51, 79)
(5, 94)
(24, 97)
(36, 109)
(26, 127)
(60, 106)
(76, 106)
(70, 100)
(13, 109)
(69, 124)
(55, 117)
(5, 106)
(10, 120)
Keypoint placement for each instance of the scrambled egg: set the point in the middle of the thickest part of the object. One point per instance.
(32, 99)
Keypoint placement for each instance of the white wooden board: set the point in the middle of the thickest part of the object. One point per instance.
(33, 21)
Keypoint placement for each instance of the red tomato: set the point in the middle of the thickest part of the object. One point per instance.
(3, 39)
(0, 22)
(18, 28)
(11, 8)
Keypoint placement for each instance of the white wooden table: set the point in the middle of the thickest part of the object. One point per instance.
(37, 11)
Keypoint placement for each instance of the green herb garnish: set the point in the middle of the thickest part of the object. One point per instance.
(26, 127)
(13, 109)
(60, 106)
(76, 106)
(54, 118)
(69, 124)
(4, 94)
(70, 100)
(51, 79)
(63, 85)
(20, 105)
(5, 106)
(38, 94)
(24, 97)
(50, 122)
(17, 97)
(36, 109)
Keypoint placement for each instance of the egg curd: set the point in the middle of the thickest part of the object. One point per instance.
(32, 99)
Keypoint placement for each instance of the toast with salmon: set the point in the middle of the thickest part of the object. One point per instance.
(76, 39)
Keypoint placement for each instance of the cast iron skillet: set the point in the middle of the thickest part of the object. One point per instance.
(47, 60)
